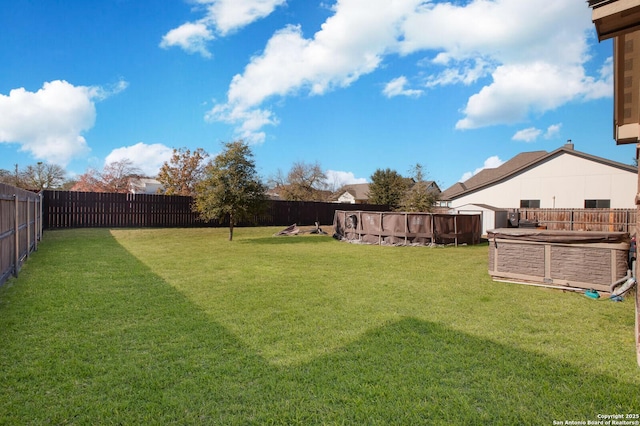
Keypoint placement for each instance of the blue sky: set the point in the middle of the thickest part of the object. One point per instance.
(355, 85)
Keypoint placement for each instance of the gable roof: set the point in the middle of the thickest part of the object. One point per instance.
(519, 164)
(360, 191)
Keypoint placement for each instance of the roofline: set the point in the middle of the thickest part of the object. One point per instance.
(544, 159)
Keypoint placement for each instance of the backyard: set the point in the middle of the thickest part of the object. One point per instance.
(181, 326)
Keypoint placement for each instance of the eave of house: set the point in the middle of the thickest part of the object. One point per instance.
(530, 165)
(615, 17)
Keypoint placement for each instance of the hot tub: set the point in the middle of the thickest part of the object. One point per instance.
(580, 259)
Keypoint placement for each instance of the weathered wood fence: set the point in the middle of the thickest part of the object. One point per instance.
(67, 209)
(608, 220)
(20, 228)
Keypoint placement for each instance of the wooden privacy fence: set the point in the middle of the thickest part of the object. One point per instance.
(68, 209)
(20, 228)
(604, 220)
(71, 209)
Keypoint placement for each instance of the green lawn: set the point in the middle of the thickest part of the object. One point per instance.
(181, 326)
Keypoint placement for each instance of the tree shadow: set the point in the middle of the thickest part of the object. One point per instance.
(290, 239)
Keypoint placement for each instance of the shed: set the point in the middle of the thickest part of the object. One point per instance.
(579, 259)
(492, 217)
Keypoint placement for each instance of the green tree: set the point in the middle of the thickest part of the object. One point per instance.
(387, 187)
(231, 186)
(184, 170)
(421, 197)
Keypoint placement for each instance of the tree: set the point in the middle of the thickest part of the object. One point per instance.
(304, 182)
(114, 177)
(184, 170)
(387, 187)
(231, 186)
(13, 178)
(43, 176)
(89, 181)
(420, 197)
(6, 177)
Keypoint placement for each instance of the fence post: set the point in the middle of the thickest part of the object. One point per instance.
(41, 215)
(406, 227)
(28, 214)
(36, 223)
(16, 239)
(455, 229)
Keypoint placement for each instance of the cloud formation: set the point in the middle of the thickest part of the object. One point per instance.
(531, 134)
(230, 15)
(191, 37)
(397, 87)
(337, 179)
(49, 123)
(221, 17)
(147, 158)
(494, 47)
(489, 163)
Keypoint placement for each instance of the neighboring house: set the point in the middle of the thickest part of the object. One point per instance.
(145, 186)
(273, 194)
(564, 178)
(357, 193)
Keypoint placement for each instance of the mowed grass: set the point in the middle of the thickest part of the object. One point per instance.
(181, 326)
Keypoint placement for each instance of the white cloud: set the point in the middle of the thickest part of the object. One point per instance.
(552, 131)
(489, 163)
(147, 158)
(229, 15)
(396, 87)
(520, 89)
(527, 135)
(190, 37)
(248, 122)
(336, 179)
(531, 134)
(529, 73)
(49, 123)
(467, 73)
(350, 43)
(498, 41)
(221, 17)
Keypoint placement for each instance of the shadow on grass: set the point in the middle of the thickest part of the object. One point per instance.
(107, 341)
(290, 239)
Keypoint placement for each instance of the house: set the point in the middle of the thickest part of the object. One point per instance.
(620, 20)
(357, 193)
(273, 194)
(564, 178)
(144, 186)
